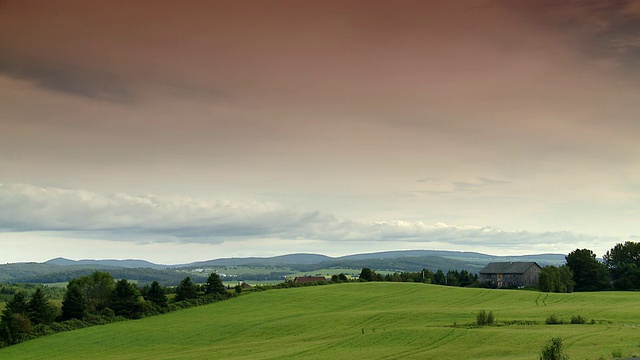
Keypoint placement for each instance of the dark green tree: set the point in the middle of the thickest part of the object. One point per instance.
(589, 274)
(96, 290)
(465, 278)
(439, 278)
(186, 290)
(73, 305)
(366, 275)
(214, 285)
(566, 279)
(14, 321)
(39, 309)
(18, 305)
(157, 295)
(426, 276)
(623, 260)
(452, 278)
(342, 277)
(547, 279)
(554, 279)
(125, 300)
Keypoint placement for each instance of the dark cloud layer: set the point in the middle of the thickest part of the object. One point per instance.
(604, 30)
(67, 78)
(106, 52)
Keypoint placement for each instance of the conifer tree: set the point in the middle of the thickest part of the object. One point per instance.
(156, 295)
(73, 305)
(39, 310)
(186, 290)
(214, 285)
(124, 300)
(14, 320)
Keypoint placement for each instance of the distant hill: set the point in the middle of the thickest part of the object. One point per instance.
(399, 264)
(261, 261)
(409, 260)
(293, 260)
(252, 268)
(475, 257)
(129, 263)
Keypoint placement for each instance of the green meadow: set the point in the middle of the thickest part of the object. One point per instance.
(361, 321)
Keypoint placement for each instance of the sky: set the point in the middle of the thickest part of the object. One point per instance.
(183, 131)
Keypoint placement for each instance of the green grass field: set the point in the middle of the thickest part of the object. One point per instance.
(360, 321)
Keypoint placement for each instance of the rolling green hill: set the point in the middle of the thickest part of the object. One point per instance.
(360, 321)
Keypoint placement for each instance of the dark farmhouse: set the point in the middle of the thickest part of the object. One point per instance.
(305, 279)
(511, 274)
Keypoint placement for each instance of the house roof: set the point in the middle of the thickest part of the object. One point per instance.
(513, 267)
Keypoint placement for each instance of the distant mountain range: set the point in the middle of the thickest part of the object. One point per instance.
(60, 270)
(129, 263)
(309, 259)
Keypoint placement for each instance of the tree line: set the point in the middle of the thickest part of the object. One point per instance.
(8, 290)
(143, 275)
(619, 270)
(450, 278)
(99, 299)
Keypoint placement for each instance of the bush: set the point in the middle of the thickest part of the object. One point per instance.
(553, 350)
(553, 320)
(483, 318)
(577, 319)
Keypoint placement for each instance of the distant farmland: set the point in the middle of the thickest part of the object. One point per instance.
(362, 321)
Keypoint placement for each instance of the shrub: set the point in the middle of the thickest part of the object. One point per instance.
(577, 319)
(483, 318)
(553, 320)
(553, 350)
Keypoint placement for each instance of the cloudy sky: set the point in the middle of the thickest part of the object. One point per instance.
(181, 131)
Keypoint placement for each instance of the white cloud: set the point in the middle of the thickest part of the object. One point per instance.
(150, 219)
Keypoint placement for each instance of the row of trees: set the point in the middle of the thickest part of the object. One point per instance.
(20, 315)
(451, 278)
(98, 298)
(620, 269)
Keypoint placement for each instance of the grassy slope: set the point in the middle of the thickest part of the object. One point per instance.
(358, 321)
